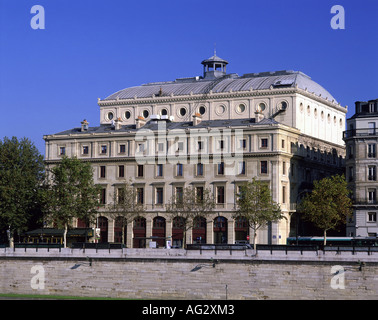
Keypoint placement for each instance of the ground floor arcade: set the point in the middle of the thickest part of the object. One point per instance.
(215, 229)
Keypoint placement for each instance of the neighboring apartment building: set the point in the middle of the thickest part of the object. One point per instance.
(361, 138)
(216, 131)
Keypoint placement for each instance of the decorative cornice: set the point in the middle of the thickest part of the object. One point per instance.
(174, 159)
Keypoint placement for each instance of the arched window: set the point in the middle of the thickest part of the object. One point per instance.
(199, 230)
(241, 229)
(120, 230)
(178, 226)
(220, 230)
(139, 231)
(102, 223)
(158, 230)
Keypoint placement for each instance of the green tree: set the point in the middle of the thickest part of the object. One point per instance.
(255, 203)
(328, 204)
(71, 193)
(125, 205)
(21, 173)
(192, 203)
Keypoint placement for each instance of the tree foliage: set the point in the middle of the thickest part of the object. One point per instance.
(255, 203)
(21, 173)
(71, 193)
(190, 205)
(328, 204)
(125, 205)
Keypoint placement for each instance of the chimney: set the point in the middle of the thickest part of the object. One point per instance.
(258, 116)
(84, 125)
(117, 123)
(197, 118)
(140, 122)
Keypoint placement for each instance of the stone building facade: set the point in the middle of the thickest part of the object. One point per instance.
(361, 138)
(214, 131)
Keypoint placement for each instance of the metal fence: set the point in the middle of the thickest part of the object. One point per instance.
(37, 246)
(98, 246)
(283, 248)
(214, 247)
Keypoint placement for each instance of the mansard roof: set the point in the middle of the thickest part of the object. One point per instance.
(227, 83)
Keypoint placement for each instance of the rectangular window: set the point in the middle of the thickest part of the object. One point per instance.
(371, 126)
(283, 144)
(122, 148)
(284, 168)
(141, 147)
(238, 195)
(121, 195)
(372, 173)
(264, 143)
(159, 170)
(140, 170)
(199, 193)
(121, 171)
(103, 196)
(283, 194)
(159, 195)
(371, 195)
(221, 144)
(179, 170)
(199, 169)
(180, 146)
(221, 168)
(220, 194)
(85, 149)
(200, 145)
(102, 172)
(351, 173)
(140, 195)
(104, 149)
(243, 144)
(161, 146)
(372, 217)
(241, 168)
(179, 194)
(62, 151)
(264, 167)
(350, 151)
(371, 151)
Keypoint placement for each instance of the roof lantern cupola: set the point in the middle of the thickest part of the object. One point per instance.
(214, 67)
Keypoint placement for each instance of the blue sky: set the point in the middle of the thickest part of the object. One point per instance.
(50, 79)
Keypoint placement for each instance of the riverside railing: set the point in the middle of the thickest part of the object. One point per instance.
(210, 247)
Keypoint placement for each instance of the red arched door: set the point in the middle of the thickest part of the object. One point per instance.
(241, 229)
(178, 225)
(158, 230)
(139, 231)
(220, 230)
(103, 225)
(199, 230)
(120, 230)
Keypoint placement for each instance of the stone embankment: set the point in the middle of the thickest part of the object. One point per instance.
(190, 274)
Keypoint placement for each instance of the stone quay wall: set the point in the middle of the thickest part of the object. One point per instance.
(186, 274)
